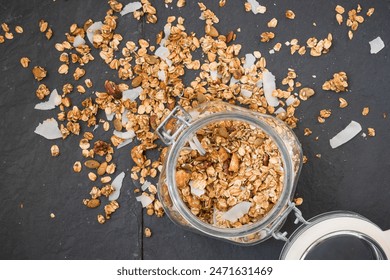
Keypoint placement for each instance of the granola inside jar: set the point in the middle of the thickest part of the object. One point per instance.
(230, 173)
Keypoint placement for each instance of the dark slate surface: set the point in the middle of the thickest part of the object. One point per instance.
(354, 177)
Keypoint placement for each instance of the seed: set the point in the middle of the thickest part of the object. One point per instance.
(136, 81)
(92, 164)
(118, 124)
(102, 168)
(230, 36)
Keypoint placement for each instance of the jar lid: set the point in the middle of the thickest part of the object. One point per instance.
(338, 235)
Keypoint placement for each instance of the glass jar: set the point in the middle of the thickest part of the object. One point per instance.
(180, 128)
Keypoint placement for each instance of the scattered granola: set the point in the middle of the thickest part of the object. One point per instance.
(338, 83)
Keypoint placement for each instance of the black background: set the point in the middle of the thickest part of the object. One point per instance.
(353, 177)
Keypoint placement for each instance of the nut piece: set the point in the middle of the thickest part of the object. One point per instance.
(77, 167)
(102, 168)
(112, 89)
(55, 151)
(92, 164)
(290, 14)
(305, 93)
(234, 163)
(39, 73)
(147, 232)
(24, 61)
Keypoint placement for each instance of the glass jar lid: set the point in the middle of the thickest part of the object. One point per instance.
(338, 235)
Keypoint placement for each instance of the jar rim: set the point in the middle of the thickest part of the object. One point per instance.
(183, 209)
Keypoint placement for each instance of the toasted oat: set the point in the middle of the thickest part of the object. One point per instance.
(147, 232)
(298, 201)
(365, 111)
(25, 62)
(55, 150)
(370, 11)
(325, 113)
(39, 73)
(77, 167)
(266, 36)
(371, 132)
(101, 219)
(1, 39)
(290, 14)
(5, 27)
(63, 69)
(343, 102)
(305, 93)
(307, 131)
(339, 19)
(338, 83)
(18, 29)
(272, 23)
(43, 25)
(92, 176)
(339, 9)
(181, 3)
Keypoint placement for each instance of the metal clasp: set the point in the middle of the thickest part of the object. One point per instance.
(168, 135)
(299, 218)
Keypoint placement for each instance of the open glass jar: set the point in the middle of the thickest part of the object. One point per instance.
(332, 235)
(181, 129)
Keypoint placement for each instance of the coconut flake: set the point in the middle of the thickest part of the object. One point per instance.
(124, 143)
(145, 185)
(130, 8)
(125, 135)
(117, 185)
(197, 192)
(376, 45)
(256, 7)
(78, 41)
(249, 61)
(144, 199)
(54, 100)
(345, 135)
(167, 32)
(110, 116)
(161, 75)
(237, 211)
(233, 81)
(49, 129)
(259, 83)
(213, 74)
(269, 86)
(246, 93)
(279, 111)
(131, 94)
(290, 100)
(92, 29)
(162, 52)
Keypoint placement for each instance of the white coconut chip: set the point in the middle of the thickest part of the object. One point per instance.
(130, 8)
(131, 94)
(167, 32)
(346, 134)
(213, 74)
(144, 199)
(161, 75)
(145, 185)
(117, 185)
(78, 41)
(246, 93)
(269, 86)
(233, 81)
(290, 100)
(197, 192)
(124, 117)
(124, 143)
(256, 7)
(92, 29)
(259, 83)
(376, 45)
(237, 211)
(54, 100)
(279, 111)
(249, 61)
(163, 53)
(125, 135)
(49, 129)
(110, 116)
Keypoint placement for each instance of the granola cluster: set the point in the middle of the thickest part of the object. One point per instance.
(241, 164)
